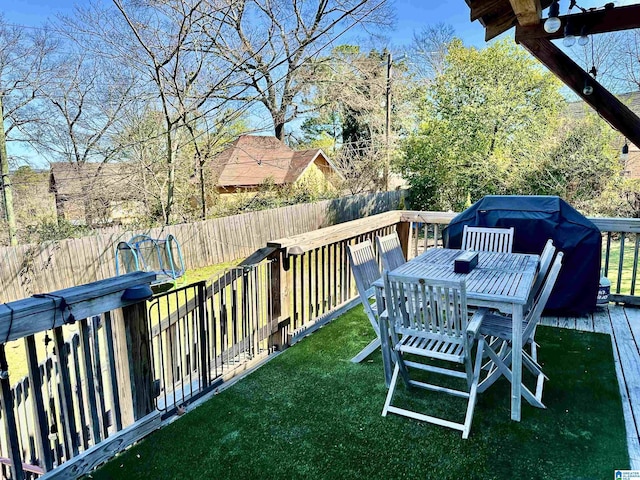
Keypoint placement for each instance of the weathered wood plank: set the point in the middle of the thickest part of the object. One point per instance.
(66, 399)
(567, 322)
(627, 361)
(602, 323)
(90, 384)
(527, 12)
(8, 418)
(98, 454)
(139, 355)
(584, 323)
(113, 376)
(79, 393)
(595, 22)
(299, 244)
(37, 403)
(549, 321)
(32, 315)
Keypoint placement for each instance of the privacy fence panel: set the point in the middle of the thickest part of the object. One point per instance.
(36, 268)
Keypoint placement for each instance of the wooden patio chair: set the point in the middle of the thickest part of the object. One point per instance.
(390, 251)
(546, 257)
(440, 331)
(485, 239)
(500, 327)
(365, 270)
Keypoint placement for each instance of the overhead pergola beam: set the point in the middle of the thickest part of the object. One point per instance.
(480, 8)
(598, 21)
(528, 12)
(603, 101)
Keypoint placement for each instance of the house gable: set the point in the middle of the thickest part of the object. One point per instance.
(251, 160)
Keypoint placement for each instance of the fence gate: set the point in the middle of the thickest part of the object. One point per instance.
(202, 332)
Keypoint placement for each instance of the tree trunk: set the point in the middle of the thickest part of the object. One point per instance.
(5, 183)
(171, 176)
(279, 129)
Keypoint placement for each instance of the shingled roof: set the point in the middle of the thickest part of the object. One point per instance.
(70, 181)
(252, 159)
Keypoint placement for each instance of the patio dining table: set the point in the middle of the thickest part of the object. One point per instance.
(501, 281)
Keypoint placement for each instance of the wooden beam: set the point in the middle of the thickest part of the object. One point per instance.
(528, 12)
(599, 21)
(36, 314)
(602, 101)
(480, 8)
(499, 24)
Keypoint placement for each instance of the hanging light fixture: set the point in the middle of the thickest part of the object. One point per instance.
(588, 88)
(569, 38)
(584, 38)
(624, 154)
(553, 23)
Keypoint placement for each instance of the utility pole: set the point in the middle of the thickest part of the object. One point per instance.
(5, 183)
(387, 125)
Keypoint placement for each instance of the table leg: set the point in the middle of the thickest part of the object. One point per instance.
(516, 363)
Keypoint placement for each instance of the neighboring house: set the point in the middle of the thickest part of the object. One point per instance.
(252, 160)
(631, 167)
(93, 193)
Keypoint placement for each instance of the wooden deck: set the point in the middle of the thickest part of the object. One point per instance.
(623, 324)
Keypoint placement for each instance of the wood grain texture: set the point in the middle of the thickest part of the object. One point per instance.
(599, 21)
(32, 315)
(98, 454)
(527, 12)
(627, 362)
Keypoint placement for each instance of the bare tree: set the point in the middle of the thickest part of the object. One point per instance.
(23, 71)
(429, 49)
(628, 49)
(164, 45)
(360, 167)
(81, 106)
(276, 44)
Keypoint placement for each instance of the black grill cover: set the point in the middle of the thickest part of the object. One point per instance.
(536, 219)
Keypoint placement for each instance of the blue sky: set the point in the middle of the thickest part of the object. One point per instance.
(411, 16)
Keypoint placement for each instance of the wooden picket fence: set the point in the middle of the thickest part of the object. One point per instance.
(36, 268)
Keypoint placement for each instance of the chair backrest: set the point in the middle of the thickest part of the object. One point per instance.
(427, 308)
(364, 268)
(486, 239)
(533, 317)
(545, 262)
(390, 251)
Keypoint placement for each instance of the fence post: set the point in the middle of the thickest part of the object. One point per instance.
(280, 300)
(134, 362)
(403, 229)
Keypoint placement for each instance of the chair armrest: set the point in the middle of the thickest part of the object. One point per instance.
(473, 328)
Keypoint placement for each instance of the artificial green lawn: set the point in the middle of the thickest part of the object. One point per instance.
(311, 413)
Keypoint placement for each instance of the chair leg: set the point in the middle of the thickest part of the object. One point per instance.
(366, 351)
(392, 389)
(473, 390)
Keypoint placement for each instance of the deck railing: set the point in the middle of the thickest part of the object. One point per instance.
(114, 369)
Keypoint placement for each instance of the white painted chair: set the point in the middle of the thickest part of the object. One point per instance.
(440, 331)
(485, 239)
(500, 327)
(365, 270)
(390, 251)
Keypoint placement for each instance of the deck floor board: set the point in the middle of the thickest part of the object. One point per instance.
(623, 325)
